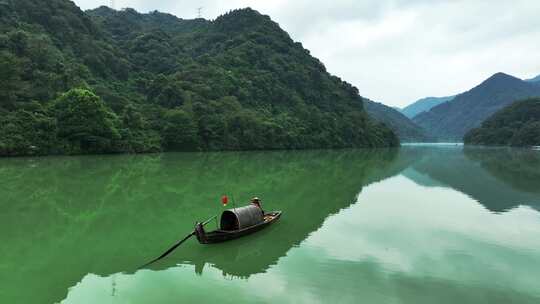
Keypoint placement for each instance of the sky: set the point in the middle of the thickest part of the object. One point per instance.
(394, 51)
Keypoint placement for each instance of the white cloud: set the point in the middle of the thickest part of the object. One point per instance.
(396, 51)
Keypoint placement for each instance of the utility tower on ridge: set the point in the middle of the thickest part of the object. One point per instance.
(199, 12)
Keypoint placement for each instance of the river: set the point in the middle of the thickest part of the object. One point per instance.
(419, 224)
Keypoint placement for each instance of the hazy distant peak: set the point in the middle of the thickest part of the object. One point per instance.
(501, 81)
(535, 79)
(500, 76)
(423, 105)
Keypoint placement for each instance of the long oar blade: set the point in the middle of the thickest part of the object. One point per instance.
(166, 253)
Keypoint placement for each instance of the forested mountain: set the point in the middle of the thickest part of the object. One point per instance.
(120, 81)
(423, 105)
(451, 120)
(515, 125)
(405, 128)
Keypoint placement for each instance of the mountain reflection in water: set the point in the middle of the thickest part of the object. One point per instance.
(86, 223)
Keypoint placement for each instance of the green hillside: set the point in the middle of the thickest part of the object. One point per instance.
(405, 128)
(515, 125)
(118, 81)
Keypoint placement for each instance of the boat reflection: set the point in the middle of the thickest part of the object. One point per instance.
(323, 185)
(66, 217)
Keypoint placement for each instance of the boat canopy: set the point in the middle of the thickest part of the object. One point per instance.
(240, 218)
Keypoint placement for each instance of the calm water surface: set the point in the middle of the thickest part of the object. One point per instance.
(421, 224)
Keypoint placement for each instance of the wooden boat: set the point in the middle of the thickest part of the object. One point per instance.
(237, 222)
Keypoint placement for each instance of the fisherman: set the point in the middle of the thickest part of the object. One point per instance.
(257, 202)
(199, 232)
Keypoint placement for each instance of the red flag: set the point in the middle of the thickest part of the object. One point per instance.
(224, 200)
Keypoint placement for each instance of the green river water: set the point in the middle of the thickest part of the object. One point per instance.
(419, 224)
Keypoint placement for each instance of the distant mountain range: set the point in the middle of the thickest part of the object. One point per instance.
(406, 129)
(423, 105)
(452, 119)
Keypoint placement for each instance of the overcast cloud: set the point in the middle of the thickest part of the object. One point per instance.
(395, 51)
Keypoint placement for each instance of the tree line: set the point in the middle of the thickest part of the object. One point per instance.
(515, 125)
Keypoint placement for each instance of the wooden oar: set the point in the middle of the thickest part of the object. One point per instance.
(166, 253)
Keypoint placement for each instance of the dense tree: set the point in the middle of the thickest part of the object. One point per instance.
(27, 131)
(85, 122)
(136, 136)
(515, 125)
(10, 80)
(180, 130)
